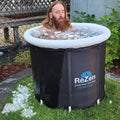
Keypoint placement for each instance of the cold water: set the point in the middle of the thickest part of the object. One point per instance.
(71, 34)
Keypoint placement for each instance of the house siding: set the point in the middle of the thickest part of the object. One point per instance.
(96, 7)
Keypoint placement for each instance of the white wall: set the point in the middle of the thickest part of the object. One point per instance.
(96, 7)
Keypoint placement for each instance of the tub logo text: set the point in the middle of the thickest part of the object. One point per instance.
(85, 80)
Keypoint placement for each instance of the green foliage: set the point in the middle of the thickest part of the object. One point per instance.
(112, 21)
(113, 44)
(84, 17)
(6, 61)
(23, 58)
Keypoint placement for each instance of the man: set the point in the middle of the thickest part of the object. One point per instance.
(57, 18)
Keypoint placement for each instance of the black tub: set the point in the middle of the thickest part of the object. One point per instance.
(69, 73)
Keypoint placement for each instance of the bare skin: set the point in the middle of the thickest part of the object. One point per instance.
(58, 13)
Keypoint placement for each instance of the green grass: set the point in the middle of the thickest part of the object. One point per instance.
(103, 111)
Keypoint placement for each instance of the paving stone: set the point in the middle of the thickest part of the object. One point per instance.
(9, 80)
(7, 85)
(3, 97)
(112, 76)
(6, 88)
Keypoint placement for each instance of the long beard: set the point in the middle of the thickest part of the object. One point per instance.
(61, 25)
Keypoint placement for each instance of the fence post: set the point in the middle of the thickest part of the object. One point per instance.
(16, 34)
(6, 34)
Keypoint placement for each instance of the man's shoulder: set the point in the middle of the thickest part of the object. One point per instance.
(43, 28)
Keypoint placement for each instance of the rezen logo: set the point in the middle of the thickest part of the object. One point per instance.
(86, 78)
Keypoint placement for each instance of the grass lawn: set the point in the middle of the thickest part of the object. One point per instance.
(104, 111)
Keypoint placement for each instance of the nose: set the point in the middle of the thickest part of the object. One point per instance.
(62, 14)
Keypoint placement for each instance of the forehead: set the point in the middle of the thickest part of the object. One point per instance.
(58, 7)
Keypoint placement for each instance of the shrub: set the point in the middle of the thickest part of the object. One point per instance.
(84, 17)
(112, 21)
(23, 58)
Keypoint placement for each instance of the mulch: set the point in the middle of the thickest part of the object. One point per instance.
(116, 68)
(7, 70)
(9, 54)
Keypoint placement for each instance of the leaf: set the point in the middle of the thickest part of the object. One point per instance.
(77, 12)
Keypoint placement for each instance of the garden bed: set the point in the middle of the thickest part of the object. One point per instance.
(7, 66)
(116, 68)
(7, 70)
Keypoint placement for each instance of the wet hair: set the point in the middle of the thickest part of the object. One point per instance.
(48, 21)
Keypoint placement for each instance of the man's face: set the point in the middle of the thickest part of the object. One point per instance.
(58, 12)
(58, 17)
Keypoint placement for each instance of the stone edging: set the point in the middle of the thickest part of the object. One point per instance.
(112, 76)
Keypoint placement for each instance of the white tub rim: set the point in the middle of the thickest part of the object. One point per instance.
(64, 44)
